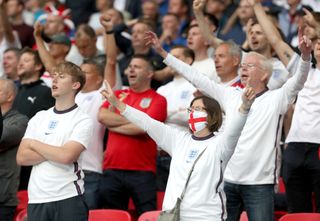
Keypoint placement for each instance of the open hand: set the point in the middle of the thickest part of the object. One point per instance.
(305, 44)
(309, 18)
(248, 98)
(107, 92)
(152, 40)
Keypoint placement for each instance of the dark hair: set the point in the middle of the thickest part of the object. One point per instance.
(187, 52)
(171, 14)
(214, 112)
(98, 62)
(16, 51)
(148, 22)
(85, 29)
(36, 57)
(73, 70)
(212, 19)
(145, 58)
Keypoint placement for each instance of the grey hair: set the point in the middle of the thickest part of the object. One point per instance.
(234, 49)
(264, 62)
(9, 86)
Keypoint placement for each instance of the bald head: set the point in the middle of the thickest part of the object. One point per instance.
(8, 92)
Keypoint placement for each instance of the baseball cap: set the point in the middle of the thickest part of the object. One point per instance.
(60, 39)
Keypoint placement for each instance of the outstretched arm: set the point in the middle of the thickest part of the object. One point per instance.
(44, 54)
(198, 7)
(283, 50)
(162, 134)
(199, 80)
(296, 83)
(233, 131)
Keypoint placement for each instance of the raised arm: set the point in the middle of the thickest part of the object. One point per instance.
(296, 83)
(111, 50)
(44, 54)
(162, 134)
(283, 50)
(310, 20)
(7, 30)
(198, 7)
(233, 131)
(199, 80)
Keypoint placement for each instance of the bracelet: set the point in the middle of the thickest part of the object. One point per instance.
(109, 32)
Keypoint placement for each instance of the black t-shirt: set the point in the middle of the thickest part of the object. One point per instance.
(32, 98)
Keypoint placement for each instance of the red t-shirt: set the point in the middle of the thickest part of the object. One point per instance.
(138, 152)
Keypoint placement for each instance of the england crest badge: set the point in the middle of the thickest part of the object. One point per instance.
(145, 102)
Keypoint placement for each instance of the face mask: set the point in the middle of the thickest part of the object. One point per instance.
(197, 120)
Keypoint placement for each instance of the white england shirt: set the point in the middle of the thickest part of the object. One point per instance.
(51, 181)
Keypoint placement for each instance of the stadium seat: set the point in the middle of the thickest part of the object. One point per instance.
(282, 187)
(22, 215)
(23, 200)
(109, 215)
(301, 217)
(160, 196)
(150, 216)
(243, 216)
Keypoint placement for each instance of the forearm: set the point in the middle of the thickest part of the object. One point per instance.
(111, 53)
(44, 54)
(158, 131)
(27, 156)
(127, 129)
(282, 49)
(199, 80)
(7, 29)
(232, 134)
(163, 74)
(111, 119)
(296, 83)
(58, 154)
(206, 31)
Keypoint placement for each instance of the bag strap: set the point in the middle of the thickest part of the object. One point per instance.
(189, 175)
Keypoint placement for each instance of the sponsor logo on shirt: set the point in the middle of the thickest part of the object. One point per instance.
(31, 99)
(145, 102)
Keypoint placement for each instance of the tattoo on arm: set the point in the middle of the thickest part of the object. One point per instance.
(287, 54)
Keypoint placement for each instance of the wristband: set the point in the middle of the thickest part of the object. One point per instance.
(109, 32)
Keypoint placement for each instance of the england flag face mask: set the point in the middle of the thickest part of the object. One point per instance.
(197, 120)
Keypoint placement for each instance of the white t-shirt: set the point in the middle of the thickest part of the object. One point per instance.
(204, 199)
(179, 94)
(254, 160)
(51, 181)
(207, 67)
(305, 126)
(92, 157)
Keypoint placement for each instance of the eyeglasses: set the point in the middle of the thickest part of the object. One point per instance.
(202, 109)
(248, 66)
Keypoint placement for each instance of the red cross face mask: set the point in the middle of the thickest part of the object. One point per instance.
(197, 120)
